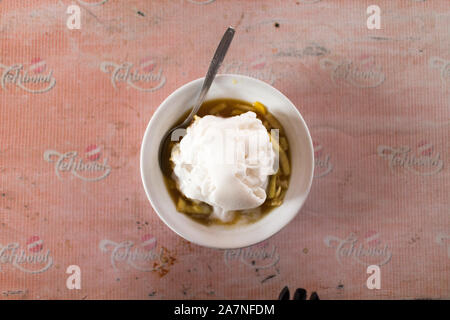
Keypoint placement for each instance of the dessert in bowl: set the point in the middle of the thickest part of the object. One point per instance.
(226, 168)
(229, 199)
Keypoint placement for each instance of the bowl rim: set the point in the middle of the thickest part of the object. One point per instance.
(160, 110)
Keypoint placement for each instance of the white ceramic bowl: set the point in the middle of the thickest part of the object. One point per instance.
(302, 162)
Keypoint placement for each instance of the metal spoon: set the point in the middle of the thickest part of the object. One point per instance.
(219, 55)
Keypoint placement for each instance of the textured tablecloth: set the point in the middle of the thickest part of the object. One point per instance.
(75, 105)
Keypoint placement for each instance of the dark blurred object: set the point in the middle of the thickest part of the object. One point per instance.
(300, 294)
(284, 294)
(314, 296)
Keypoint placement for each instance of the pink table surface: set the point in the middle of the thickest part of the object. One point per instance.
(377, 103)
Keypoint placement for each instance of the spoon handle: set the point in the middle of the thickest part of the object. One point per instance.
(214, 66)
